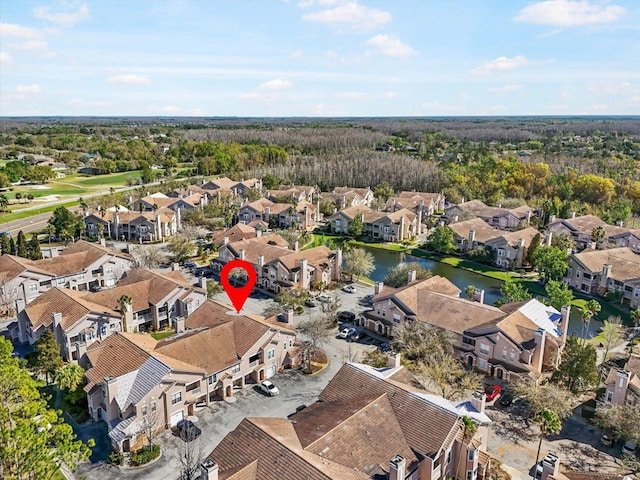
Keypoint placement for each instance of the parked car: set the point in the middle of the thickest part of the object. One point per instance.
(187, 430)
(356, 337)
(492, 391)
(190, 264)
(324, 298)
(629, 448)
(384, 347)
(269, 388)
(349, 289)
(506, 399)
(346, 316)
(311, 303)
(345, 332)
(606, 440)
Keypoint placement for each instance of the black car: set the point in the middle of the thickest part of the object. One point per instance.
(311, 303)
(506, 399)
(384, 347)
(346, 316)
(356, 337)
(187, 430)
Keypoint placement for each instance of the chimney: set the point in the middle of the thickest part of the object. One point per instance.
(202, 282)
(552, 218)
(267, 211)
(411, 276)
(478, 296)
(619, 223)
(304, 277)
(565, 312)
(56, 319)
(394, 360)
(455, 218)
(378, 287)
(241, 254)
(209, 470)
(295, 246)
(538, 352)
(103, 243)
(520, 252)
(337, 273)
(179, 324)
(479, 401)
(175, 267)
(547, 239)
(288, 316)
(260, 261)
(401, 229)
(528, 216)
(397, 468)
(393, 205)
(127, 318)
(550, 466)
(258, 232)
(225, 240)
(573, 214)
(462, 200)
(604, 276)
(472, 238)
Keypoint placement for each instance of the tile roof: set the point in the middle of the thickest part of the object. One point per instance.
(513, 238)
(426, 427)
(316, 256)
(361, 192)
(76, 258)
(71, 303)
(239, 231)
(484, 231)
(410, 294)
(268, 246)
(583, 223)
(147, 286)
(11, 266)
(625, 265)
(210, 314)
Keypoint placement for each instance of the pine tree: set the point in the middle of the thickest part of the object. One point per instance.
(34, 248)
(5, 244)
(21, 245)
(12, 246)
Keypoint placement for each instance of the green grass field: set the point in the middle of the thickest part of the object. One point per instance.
(116, 179)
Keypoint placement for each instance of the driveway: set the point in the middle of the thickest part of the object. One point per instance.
(220, 418)
(515, 442)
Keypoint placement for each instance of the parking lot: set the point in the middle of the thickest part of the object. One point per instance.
(220, 418)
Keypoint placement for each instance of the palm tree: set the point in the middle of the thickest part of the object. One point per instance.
(549, 423)
(470, 291)
(19, 197)
(635, 317)
(469, 429)
(587, 312)
(598, 234)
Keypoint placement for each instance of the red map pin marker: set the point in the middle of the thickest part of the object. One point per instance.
(238, 295)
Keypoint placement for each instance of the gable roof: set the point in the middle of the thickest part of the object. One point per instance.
(239, 231)
(625, 264)
(11, 266)
(409, 295)
(483, 231)
(71, 303)
(513, 238)
(316, 256)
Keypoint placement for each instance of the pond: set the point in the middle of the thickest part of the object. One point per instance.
(385, 259)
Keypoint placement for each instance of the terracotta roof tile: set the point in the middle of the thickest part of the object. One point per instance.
(483, 231)
(625, 264)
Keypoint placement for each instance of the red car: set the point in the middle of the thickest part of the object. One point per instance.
(492, 392)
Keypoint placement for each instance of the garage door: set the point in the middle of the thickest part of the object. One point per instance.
(271, 371)
(176, 417)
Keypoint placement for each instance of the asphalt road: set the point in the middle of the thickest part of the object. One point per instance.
(30, 224)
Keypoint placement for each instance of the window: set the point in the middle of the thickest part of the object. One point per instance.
(609, 397)
(80, 276)
(621, 383)
(396, 318)
(108, 269)
(484, 349)
(504, 353)
(235, 368)
(33, 287)
(144, 410)
(512, 357)
(449, 457)
(482, 364)
(471, 454)
(153, 407)
(469, 474)
(213, 379)
(271, 354)
(60, 281)
(176, 398)
(193, 386)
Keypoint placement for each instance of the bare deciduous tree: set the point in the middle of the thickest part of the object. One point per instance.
(148, 256)
(191, 455)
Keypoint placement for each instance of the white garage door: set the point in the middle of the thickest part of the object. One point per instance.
(271, 371)
(176, 417)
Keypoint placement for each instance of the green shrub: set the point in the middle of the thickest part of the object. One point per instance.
(299, 310)
(116, 458)
(145, 455)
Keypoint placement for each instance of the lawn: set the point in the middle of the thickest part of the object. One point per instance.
(161, 335)
(58, 475)
(10, 217)
(115, 179)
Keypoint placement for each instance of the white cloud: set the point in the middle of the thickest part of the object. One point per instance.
(31, 45)
(5, 58)
(391, 46)
(28, 89)
(277, 84)
(63, 19)
(129, 79)
(611, 88)
(351, 14)
(442, 108)
(567, 13)
(15, 30)
(501, 64)
(505, 89)
(297, 53)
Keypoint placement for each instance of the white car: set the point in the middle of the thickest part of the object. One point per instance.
(629, 448)
(350, 289)
(269, 388)
(345, 332)
(324, 298)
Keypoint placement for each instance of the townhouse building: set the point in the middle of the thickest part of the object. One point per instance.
(135, 381)
(367, 424)
(596, 272)
(344, 197)
(158, 200)
(121, 223)
(386, 226)
(515, 341)
(296, 193)
(497, 217)
(580, 228)
(511, 248)
(226, 185)
(426, 203)
(82, 266)
(302, 215)
(622, 385)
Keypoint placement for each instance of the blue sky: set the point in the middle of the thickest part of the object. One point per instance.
(319, 57)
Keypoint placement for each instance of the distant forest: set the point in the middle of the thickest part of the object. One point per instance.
(583, 164)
